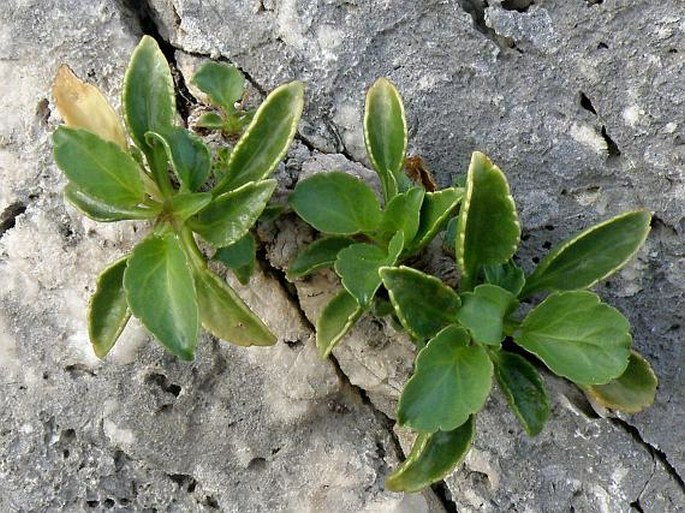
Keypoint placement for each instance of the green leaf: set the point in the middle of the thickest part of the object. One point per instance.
(483, 311)
(591, 256)
(358, 265)
(337, 317)
(433, 456)
(317, 255)
(161, 293)
(222, 83)
(108, 311)
(240, 257)
(266, 139)
(336, 203)
(578, 337)
(452, 380)
(524, 389)
(423, 303)
(98, 210)
(97, 167)
(631, 392)
(385, 135)
(402, 214)
(189, 156)
(226, 316)
(187, 204)
(228, 218)
(436, 209)
(488, 229)
(211, 121)
(509, 276)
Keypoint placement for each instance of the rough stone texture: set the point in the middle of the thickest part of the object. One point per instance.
(580, 102)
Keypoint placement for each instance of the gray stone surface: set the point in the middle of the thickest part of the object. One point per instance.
(581, 103)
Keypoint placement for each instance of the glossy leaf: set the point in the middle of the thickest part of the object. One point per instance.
(189, 156)
(358, 266)
(226, 316)
(433, 456)
(336, 203)
(161, 293)
(424, 304)
(631, 392)
(436, 209)
(223, 84)
(337, 317)
(187, 204)
(577, 337)
(231, 215)
(240, 257)
(97, 167)
(451, 381)
(402, 214)
(266, 139)
(98, 210)
(591, 256)
(483, 311)
(509, 276)
(385, 135)
(317, 255)
(108, 311)
(524, 390)
(488, 229)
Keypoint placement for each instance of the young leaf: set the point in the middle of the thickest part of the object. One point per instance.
(631, 392)
(452, 380)
(239, 257)
(385, 135)
(435, 211)
(524, 389)
(358, 265)
(432, 457)
(210, 120)
(108, 310)
(423, 303)
(592, 255)
(482, 312)
(488, 229)
(98, 210)
(189, 156)
(335, 320)
(161, 293)
(317, 255)
(223, 84)
(187, 204)
(402, 214)
(578, 337)
(97, 167)
(336, 203)
(509, 276)
(231, 215)
(226, 316)
(266, 139)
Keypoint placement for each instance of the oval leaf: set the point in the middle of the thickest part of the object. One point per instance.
(337, 317)
(189, 156)
(402, 214)
(226, 316)
(435, 211)
(433, 456)
(409, 290)
(578, 337)
(509, 276)
(336, 203)
(98, 210)
(452, 380)
(266, 139)
(161, 293)
(483, 311)
(228, 218)
(317, 255)
(108, 311)
(592, 255)
(240, 257)
(488, 229)
(385, 135)
(524, 389)
(631, 392)
(222, 83)
(187, 204)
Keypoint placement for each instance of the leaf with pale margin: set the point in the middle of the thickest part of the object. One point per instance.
(240, 257)
(509, 276)
(187, 204)
(402, 214)
(592, 255)
(337, 317)
(436, 209)
(161, 293)
(451, 381)
(433, 456)
(424, 304)
(319, 254)
(222, 83)
(108, 310)
(189, 156)
(98, 210)
(577, 337)
(482, 312)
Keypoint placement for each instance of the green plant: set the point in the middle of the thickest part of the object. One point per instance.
(467, 337)
(167, 176)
